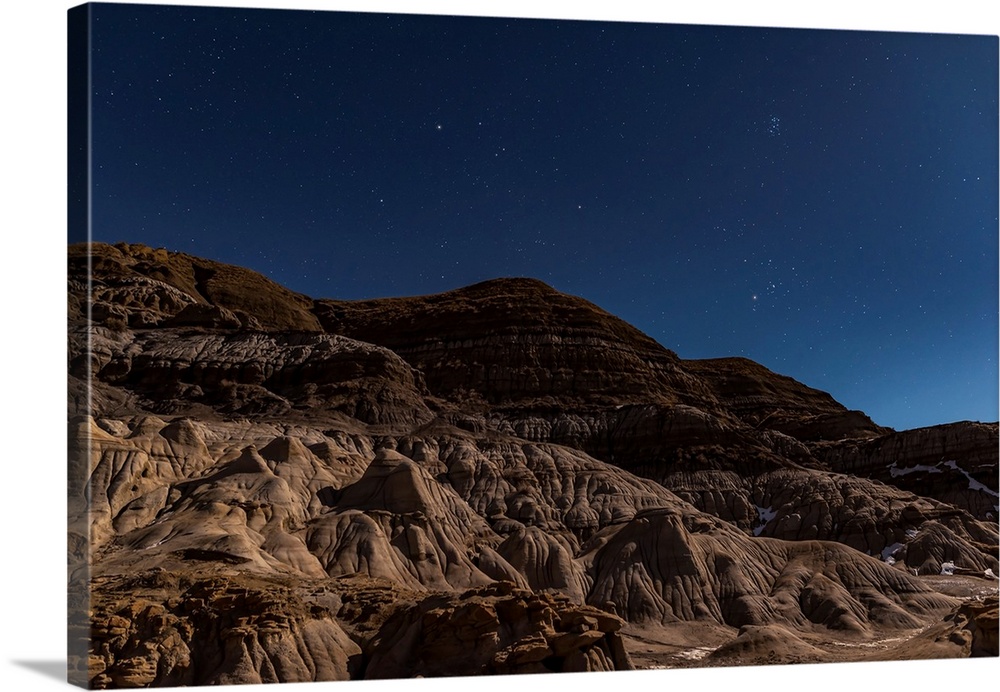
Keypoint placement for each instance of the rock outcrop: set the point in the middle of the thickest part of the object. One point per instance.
(499, 479)
(496, 629)
(954, 463)
(496, 339)
(878, 519)
(766, 400)
(144, 287)
(151, 629)
(252, 372)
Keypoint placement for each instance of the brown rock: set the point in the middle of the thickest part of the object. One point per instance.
(201, 315)
(955, 463)
(491, 480)
(490, 630)
(167, 281)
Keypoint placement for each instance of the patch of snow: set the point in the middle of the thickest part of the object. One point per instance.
(889, 551)
(890, 560)
(948, 569)
(895, 471)
(764, 515)
(868, 645)
(973, 483)
(695, 654)
(976, 485)
(911, 533)
(989, 574)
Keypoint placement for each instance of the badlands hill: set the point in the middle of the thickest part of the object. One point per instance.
(499, 479)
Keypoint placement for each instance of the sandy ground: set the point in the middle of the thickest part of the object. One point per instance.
(691, 644)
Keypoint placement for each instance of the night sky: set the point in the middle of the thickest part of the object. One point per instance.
(823, 202)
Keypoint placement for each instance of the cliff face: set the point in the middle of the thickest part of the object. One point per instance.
(955, 463)
(269, 487)
(518, 343)
(764, 399)
(146, 288)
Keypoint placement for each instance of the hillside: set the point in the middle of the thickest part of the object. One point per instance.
(270, 487)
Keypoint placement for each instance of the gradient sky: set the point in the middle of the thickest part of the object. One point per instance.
(823, 202)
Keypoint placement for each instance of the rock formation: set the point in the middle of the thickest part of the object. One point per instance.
(955, 463)
(265, 487)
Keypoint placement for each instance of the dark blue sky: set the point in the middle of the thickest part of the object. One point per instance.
(823, 202)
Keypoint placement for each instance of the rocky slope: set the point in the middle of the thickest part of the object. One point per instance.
(266, 487)
(954, 463)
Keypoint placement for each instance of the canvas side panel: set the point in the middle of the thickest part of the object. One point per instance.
(78, 452)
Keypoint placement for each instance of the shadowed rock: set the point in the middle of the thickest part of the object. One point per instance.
(499, 630)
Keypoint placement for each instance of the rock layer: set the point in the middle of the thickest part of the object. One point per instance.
(497, 629)
(955, 463)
